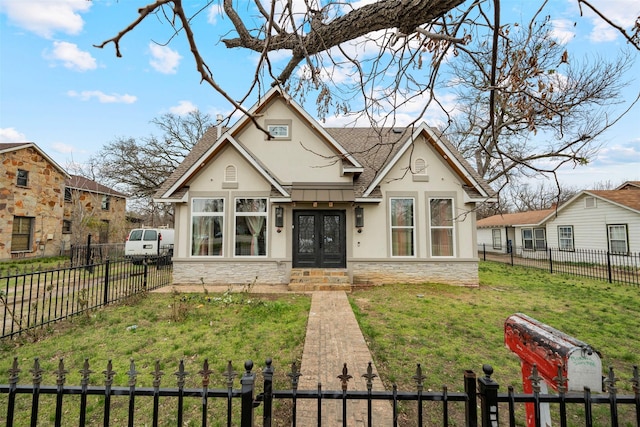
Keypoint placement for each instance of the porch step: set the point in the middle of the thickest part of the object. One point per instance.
(319, 279)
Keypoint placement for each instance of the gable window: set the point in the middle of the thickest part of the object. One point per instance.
(207, 220)
(66, 226)
(279, 129)
(496, 236)
(22, 179)
(402, 227)
(618, 238)
(250, 227)
(22, 234)
(67, 194)
(533, 239)
(441, 227)
(565, 237)
(106, 202)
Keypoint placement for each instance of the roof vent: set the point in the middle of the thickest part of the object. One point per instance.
(397, 130)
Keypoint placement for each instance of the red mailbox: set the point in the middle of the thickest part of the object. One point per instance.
(547, 348)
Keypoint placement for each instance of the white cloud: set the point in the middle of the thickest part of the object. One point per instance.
(212, 14)
(71, 57)
(62, 148)
(102, 97)
(183, 107)
(620, 12)
(562, 30)
(47, 17)
(164, 59)
(11, 135)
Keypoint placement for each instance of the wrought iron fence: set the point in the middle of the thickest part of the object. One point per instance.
(32, 299)
(494, 408)
(596, 264)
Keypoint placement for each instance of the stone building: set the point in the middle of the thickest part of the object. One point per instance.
(36, 204)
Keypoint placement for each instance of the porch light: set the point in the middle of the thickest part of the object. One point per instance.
(279, 217)
(359, 218)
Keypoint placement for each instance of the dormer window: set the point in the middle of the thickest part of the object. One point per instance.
(279, 129)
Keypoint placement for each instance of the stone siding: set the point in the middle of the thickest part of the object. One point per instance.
(41, 199)
(230, 273)
(462, 273)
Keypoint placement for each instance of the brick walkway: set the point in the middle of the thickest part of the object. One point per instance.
(333, 339)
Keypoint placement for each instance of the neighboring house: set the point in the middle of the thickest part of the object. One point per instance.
(605, 220)
(503, 232)
(36, 218)
(393, 206)
(92, 208)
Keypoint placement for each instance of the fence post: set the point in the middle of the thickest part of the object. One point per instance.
(484, 251)
(550, 262)
(511, 253)
(88, 260)
(247, 383)
(267, 373)
(609, 265)
(106, 281)
(471, 405)
(488, 390)
(145, 274)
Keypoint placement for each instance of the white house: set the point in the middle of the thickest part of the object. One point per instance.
(602, 220)
(376, 206)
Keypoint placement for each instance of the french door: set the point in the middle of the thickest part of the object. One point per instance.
(319, 239)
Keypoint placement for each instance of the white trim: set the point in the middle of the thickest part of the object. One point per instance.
(413, 227)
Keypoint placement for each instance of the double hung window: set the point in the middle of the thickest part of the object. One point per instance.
(250, 227)
(441, 226)
(618, 242)
(565, 237)
(402, 226)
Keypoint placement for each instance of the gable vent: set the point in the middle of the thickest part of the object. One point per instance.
(230, 174)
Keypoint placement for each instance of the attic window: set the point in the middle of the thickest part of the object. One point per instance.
(589, 202)
(279, 129)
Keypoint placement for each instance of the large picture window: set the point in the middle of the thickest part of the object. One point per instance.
(251, 227)
(565, 237)
(441, 227)
(22, 234)
(207, 231)
(618, 242)
(402, 227)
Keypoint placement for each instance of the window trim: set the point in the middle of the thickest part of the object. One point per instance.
(626, 238)
(68, 194)
(279, 123)
(265, 226)
(493, 238)
(412, 227)
(22, 181)
(451, 227)
(534, 239)
(66, 226)
(105, 203)
(29, 247)
(220, 214)
(572, 247)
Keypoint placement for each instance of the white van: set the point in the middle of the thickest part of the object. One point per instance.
(149, 243)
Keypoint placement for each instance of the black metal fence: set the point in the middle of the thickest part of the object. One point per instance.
(239, 404)
(596, 264)
(30, 300)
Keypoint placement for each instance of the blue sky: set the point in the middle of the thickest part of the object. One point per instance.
(71, 98)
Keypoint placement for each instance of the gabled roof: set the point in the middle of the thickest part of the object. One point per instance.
(623, 198)
(530, 218)
(6, 147)
(81, 183)
(366, 152)
(630, 185)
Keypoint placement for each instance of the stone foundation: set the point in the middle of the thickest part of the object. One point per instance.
(461, 273)
(230, 272)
